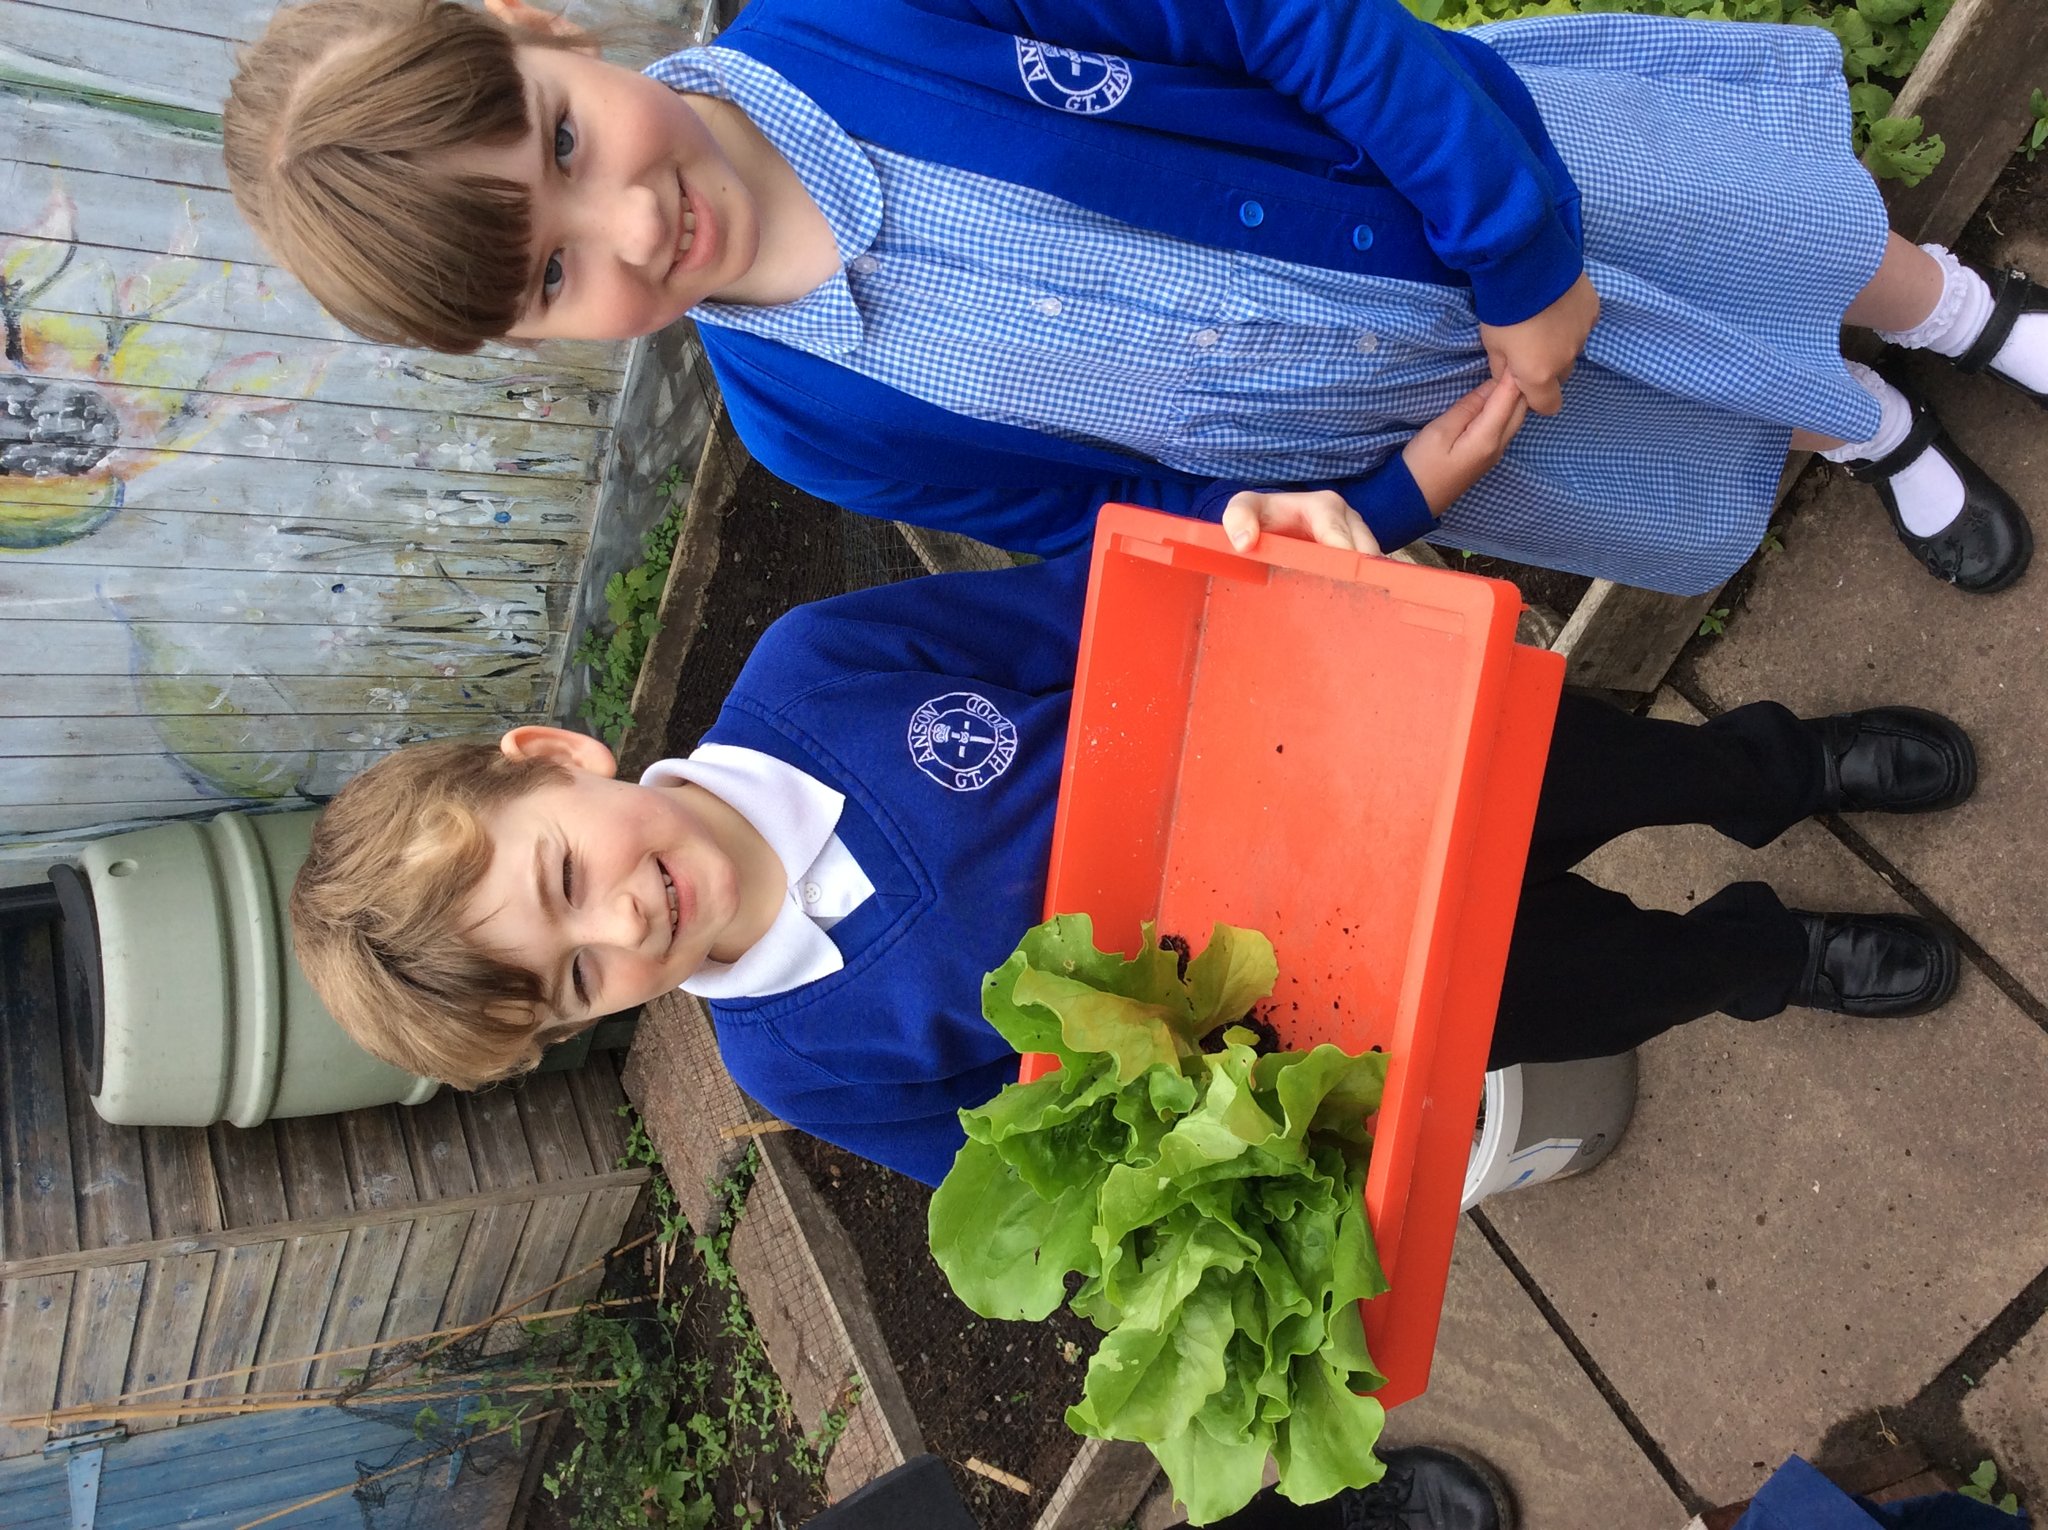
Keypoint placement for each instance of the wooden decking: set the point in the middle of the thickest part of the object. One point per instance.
(132, 1257)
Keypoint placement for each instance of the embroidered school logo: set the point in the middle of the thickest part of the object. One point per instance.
(961, 741)
(1071, 81)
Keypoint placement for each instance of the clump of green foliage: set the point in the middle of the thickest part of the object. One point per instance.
(632, 600)
(1881, 42)
(663, 1436)
(1212, 1202)
(1984, 1480)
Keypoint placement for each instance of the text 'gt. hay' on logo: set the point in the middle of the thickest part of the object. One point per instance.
(961, 741)
(1071, 81)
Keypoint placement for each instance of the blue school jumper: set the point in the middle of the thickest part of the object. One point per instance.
(938, 707)
(1356, 140)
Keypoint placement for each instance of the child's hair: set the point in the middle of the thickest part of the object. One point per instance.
(340, 133)
(379, 917)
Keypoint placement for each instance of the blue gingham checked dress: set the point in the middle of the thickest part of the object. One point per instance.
(1727, 227)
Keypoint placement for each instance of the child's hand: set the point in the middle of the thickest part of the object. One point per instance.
(1320, 514)
(1460, 446)
(517, 13)
(1539, 352)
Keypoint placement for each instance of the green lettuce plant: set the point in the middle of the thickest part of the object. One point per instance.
(1210, 1201)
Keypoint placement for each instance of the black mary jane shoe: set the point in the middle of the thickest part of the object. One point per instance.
(2012, 294)
(1879, 966)
(1987, 546)
(1894, 760)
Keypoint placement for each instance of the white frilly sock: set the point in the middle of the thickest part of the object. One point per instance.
(1927, 490)
(1959, 317)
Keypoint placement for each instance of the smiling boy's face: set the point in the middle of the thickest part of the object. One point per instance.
(637, 213)
(609, 892)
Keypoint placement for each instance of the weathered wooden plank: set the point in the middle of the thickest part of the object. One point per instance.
(543, 1248)
(242, 1237)
(483, 505)
(553, 1129)
(497, 1139)
(184, 1195)
(500, 610)
(150, 651)
(1973, 86)
(239, 20)
(99, 737)
(1104, 1486)
(425, 1275)
(174, 1304)
(535, 388)
(34, 1315)
(356, 1315)
(124, 780)
(440, 1148)
(231, 297)
(316, 1182)
(1621, 638)
(145, 64)
(298, 1309)
(479, 1286)
(379, 1167)
(107, 1163)
(600, 1103)
(250, 1175)
(597, 1234)
(204, 540)
(243, 1281)
(102, 698)
(101, 1335)
(281, 426)
(36, 1174)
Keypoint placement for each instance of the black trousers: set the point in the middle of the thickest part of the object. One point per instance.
(1590, 974)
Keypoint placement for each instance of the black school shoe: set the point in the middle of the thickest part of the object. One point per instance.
(2012, 294)
(1894, 760)
(1986, 547)
(1879, 966)
(1427, 1489)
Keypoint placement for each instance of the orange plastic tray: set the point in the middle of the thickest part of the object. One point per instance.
(1344, 753)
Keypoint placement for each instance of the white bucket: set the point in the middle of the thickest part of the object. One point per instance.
(1548, 1120)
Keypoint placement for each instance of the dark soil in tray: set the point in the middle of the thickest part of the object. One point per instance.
(993, 1391)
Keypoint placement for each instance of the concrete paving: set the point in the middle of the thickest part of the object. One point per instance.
(1821, 1234)
(1505, 1386)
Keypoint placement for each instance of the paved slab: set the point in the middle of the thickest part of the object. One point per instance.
(1842, 618)
(2008, 1411)
(1505, 1387)
(1810, 1216)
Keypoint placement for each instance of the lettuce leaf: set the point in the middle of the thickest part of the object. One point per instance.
(1212, 1202)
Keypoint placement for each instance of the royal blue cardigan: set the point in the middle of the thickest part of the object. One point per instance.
(1349, 136)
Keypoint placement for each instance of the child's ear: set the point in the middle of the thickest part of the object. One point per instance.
(531, 18)
(578, 751)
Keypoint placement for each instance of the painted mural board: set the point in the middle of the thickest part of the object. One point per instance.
(242, 552)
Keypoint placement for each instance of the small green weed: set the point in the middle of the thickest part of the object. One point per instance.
(632, 601)
(662, 1436)
(1984, 1480)
(2037, 130)
(1714, 623)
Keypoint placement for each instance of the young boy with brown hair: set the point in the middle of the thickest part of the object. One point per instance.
(865, 832)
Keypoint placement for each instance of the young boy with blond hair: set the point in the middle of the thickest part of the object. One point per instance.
(865, 832)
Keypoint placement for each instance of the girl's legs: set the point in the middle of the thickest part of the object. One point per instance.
(1964, 527)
